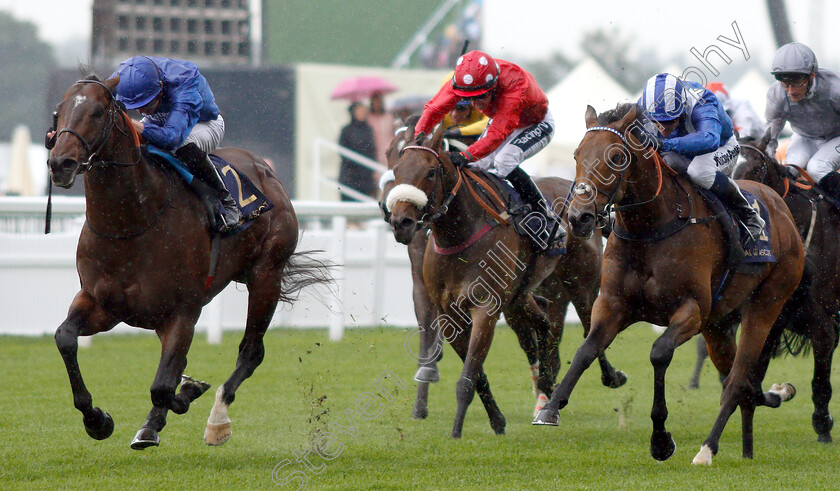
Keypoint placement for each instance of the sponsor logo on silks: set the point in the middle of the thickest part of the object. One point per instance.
(722, 159)
(541, 129)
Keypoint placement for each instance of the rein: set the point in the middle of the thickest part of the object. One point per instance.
(444, 207)
(586, 188)
(786, 180)
(809, 184)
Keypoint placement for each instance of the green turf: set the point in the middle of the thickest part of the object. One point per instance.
(307, 383)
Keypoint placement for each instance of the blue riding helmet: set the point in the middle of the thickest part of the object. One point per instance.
(139, 82)
(664, 97)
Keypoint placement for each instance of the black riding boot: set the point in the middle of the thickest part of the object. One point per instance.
(729, 192)
(831, 185)
(532, 196)
(202, 168)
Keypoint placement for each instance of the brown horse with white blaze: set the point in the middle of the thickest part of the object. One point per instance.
(668, 278)
(144, 256)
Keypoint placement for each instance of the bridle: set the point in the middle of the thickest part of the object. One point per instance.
(115, 109)
(767, 161)
(428, 215)
(492, 195)
(582, 188)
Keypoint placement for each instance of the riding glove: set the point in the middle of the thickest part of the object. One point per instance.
(458, 159)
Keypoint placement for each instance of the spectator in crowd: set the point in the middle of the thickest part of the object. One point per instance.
(357, 136)
(382, 122)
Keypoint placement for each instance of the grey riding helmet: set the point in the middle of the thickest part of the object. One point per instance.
(794, 58)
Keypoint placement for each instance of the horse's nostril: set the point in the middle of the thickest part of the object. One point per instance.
(406, 223)
(586, 218)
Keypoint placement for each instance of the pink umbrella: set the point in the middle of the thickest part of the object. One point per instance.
(357, 88)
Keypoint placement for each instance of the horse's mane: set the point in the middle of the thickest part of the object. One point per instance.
(412, 120)
(620, 111)
(617, 114)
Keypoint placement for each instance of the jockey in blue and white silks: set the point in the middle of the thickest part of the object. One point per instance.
(697, 139)
(180, 116)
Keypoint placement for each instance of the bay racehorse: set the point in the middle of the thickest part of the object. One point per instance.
(661, 265)
(575, 280)
(144, 255)
(473, 271)
(812, 311)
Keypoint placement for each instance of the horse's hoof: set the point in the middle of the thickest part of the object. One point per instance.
(662, 446)
(823, 425)
(217, 434)
(104, 429)
(704, 456)
(427, 374)
(694, 384)
(547, 418)
(615, 382)
(786, 391)
(146, 437)
(193, 388)
(420, 412)
(498, 425)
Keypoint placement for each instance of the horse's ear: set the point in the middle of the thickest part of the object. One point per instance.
(436, 138)
(591, 117)
(764, 140)
(112, 83)
(418, 140)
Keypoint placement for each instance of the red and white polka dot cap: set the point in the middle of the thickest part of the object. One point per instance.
(475, 73)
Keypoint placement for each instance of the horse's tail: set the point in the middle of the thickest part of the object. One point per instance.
(304, 270)
(797, 317)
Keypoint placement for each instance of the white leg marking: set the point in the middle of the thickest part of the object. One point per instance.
(219, 413)
(542, 400)
(703, 457)
(535, 377)
(218, 429)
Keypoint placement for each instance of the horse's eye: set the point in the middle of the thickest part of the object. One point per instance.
(98, 112)
(430, 175)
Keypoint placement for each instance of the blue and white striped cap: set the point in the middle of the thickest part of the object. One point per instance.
(664, 97)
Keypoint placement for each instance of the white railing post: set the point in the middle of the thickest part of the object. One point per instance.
(339, 230)
(316, 170)
(214, 320)
(379, 271)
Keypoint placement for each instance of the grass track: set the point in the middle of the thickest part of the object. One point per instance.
(44, 445)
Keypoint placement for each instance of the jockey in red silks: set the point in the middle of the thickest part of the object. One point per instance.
(520, 126)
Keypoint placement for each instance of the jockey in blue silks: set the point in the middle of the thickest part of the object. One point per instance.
(180, 116)
(696, 138)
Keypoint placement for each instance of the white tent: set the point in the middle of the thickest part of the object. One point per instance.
(587, 84)
(752, 87)
(20, 175)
